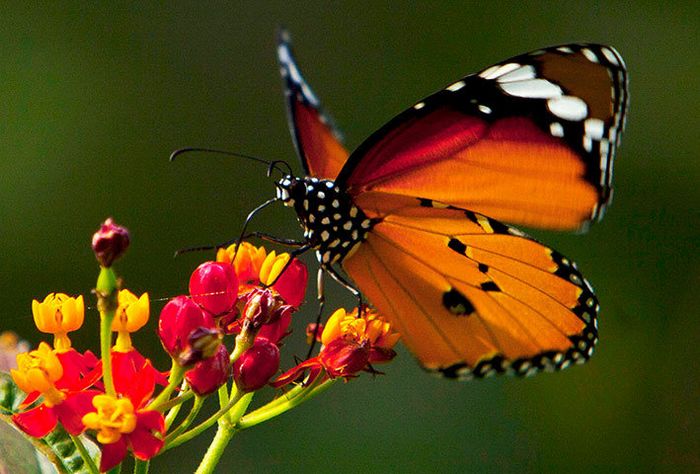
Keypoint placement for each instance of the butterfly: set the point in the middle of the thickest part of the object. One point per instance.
(415, 216)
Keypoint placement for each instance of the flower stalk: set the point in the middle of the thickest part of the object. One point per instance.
(106, 291)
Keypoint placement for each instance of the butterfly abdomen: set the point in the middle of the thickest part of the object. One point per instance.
(333, 224)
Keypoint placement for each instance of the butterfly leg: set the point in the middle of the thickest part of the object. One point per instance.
(321, 298)
(344, 282)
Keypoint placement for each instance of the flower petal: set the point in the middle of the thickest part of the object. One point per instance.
(37, 422)
(147, 439)
(112, 454)
(70, 412)
(134, 376)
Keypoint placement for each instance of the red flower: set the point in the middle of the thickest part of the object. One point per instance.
(210, 374)
(214, 286)
(62, 379)
(133, 359)
(121, 422)
(254, 266)
(351, 344)
(187, 333)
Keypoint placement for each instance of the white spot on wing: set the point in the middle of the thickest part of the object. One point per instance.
(556, 129)
(610, 56)
(419, 105)
(497, 71)
(590, 55)
(456, 86)
(595, 128)
(485, 109)
(587, 143)
(532, 89)
(523, 73)
(565, 49)
(568, 107)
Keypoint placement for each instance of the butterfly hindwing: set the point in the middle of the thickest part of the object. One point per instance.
(318, 142)
(471, 296)
(530, 140)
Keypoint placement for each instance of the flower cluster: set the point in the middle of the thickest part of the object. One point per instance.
(223, 336)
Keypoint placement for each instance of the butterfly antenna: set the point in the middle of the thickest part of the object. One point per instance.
(274, 165)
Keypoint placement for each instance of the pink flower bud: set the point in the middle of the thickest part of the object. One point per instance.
(187, 333)
(110, 242)
(275, 331)
(256, 366)
(210, 374)
(214, 286)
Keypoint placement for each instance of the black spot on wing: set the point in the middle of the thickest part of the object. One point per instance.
(456, 303)
(490, 286)
(457, 246)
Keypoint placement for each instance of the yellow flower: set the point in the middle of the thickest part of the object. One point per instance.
(131, 315)
(272, 267)
(59, 314)
(38, 370)
(114, 417)
(370, 327)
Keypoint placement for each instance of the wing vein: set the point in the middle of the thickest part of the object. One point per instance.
(418, 305)
(411, 254)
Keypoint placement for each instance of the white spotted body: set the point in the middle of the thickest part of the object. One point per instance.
(333, 225)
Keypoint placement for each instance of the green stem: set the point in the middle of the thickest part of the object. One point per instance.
(223, 395)
(107, 303)
(141, 467)
(198, 402)
(105, 347)
(289, 394)
(175, 409)
(175, 403)
(177, 372)
(276, 407)
(238, 403)
(89, 462)
(216, 449)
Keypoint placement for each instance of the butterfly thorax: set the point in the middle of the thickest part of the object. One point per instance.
(332, 223)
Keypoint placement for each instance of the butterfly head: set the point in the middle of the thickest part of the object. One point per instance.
(289, 190)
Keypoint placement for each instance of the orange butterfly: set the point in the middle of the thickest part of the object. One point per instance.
(413, 216)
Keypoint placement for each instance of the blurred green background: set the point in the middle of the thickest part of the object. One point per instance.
(95, 97)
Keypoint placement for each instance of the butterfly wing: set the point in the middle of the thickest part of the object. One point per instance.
(316, 139)
(530, 140)
(471, 296)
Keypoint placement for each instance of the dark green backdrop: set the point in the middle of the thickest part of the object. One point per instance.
(93, 99)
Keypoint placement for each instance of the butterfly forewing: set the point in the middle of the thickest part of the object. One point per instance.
(530, 140)
(318, 142)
